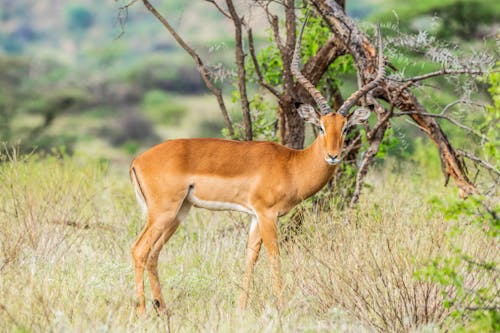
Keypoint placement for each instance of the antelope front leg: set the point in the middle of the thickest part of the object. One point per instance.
(253, 249)
(269, 231)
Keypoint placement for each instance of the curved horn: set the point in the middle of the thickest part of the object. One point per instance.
(318, 98)
(348, 103)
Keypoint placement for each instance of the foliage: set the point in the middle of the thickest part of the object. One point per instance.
(263, 119)
(466, 19)
(468, 279)
(491, 123)
(174, 77)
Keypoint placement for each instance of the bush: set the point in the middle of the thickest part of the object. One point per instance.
(162, 108)
(34, 217)
(131, 127)
(79, 18)
(468, 277)
(369, 269)
(156, 73)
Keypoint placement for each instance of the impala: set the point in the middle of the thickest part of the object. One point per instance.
(263, 179)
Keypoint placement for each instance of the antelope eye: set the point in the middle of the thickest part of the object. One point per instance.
(344, 131)
(321, 130)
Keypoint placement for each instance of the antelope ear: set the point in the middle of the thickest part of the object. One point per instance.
(359, 116)
(308, 113)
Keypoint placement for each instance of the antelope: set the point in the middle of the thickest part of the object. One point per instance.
(263, 179)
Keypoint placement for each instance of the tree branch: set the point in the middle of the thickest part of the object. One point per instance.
(440, 115)
(205, 74)
(479, 161)
(370, 154)
(349, 102)
(240, 62)
(317, 65)
(365, 55)
(441, 72)
(262, 82)
(219, 8)
(289, 44)
(121, 18)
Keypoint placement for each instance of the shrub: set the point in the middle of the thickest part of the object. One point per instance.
(80, 18)
(162, 108)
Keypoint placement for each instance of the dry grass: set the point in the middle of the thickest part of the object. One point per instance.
(67, 224)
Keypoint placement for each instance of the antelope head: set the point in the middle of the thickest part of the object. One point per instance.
(333, 126)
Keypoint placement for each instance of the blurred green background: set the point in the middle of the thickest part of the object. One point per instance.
(85, 76)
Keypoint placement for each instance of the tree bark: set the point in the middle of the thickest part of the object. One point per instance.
(240, 62)
(291, 126)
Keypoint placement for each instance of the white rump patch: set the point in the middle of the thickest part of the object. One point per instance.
(141, 201)
(255, 223)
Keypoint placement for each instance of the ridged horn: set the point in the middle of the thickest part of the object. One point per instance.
(311, 89)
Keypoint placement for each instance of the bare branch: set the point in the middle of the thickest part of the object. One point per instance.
(317, 65)
(205, 74)
(440, 115)
(262, 82)
(479, 161)
(219, 8)
(380, 122)
(356, 143)
(441, 72)
(240, 62)
(369, 155)
(273, 20)
(121, 18)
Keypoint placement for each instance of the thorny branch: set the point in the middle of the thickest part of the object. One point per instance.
(441, 72)
(369, 156)
(440, 115)
(479, 161)
(398, 95)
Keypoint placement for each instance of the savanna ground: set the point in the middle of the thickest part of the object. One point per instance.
(68, 223)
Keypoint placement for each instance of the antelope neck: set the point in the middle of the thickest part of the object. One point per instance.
(311, 172)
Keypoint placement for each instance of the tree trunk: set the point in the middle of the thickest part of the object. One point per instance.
(291, 125)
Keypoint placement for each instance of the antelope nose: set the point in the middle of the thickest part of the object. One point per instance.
(334, 157)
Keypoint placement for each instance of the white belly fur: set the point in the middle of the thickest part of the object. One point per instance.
(217, 205)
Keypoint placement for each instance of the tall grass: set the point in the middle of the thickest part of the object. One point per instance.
(67, 225)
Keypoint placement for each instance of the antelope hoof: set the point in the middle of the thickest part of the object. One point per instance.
(159, 308)
(140, 311)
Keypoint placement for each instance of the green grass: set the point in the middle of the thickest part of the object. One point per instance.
(68, 223)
